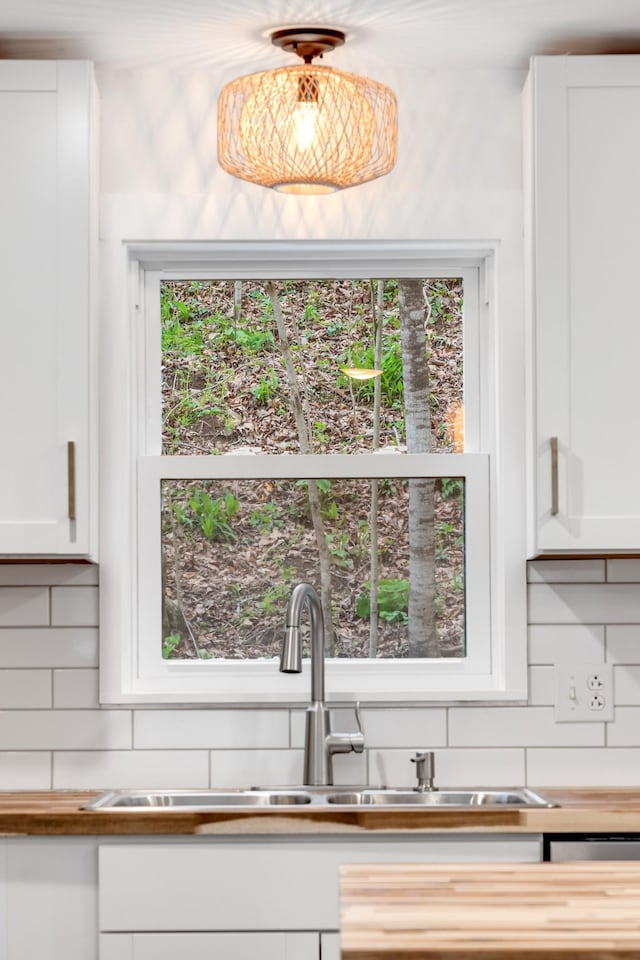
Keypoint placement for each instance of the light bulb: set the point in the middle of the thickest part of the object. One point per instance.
(304, 129)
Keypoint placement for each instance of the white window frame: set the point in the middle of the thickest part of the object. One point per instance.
(132, 670)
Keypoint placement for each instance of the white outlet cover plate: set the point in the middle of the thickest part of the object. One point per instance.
(579, 689)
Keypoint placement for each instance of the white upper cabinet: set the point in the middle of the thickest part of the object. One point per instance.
(46, 406)
(583, 206)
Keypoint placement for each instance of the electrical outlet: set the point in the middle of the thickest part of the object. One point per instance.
(584, 693)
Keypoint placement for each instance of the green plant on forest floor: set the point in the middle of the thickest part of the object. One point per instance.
(274, 596)
(213, 516)
(169, 645)
(266, 388)
(393, 601)
(451, 487)
(391, 381)
(252, 340)
(340, 549)
(266, 517)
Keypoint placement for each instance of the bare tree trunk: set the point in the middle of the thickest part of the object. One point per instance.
(306, 447)
(174, 619)
(237, 301)
(373, 522)
(423, 640)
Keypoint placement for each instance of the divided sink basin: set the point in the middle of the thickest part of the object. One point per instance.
(442, 798)
(189, 800)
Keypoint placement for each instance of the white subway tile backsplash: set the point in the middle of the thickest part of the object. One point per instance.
(255, 768)
(48, 574)
(566, 571)
(623, 571)
(25, 771)
(566, 643)
(484, 768)
(416, 727)
(131, 769)
(25, 689)
(52, 647)
(623, 644)
(210, 728)
(24, 606)
(584, 603)
(579, 610)
(624, 729)
(73, 689)
(606, 767)
(350, 768)
(518, 727)
(74, 606)
(453, 768)
(542, 686)
(65, 730)
(626, 685)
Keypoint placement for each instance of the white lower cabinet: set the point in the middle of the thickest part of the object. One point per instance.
(49, 908)
(201, 898)
(230, 898)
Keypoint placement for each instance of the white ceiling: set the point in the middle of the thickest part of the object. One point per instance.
(426, 33)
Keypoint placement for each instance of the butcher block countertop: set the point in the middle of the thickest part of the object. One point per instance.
(529, 911)
(60, 812)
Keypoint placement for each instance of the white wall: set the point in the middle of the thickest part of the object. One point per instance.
(458, 173)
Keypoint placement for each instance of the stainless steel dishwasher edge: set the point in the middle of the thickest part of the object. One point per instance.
(559, 848)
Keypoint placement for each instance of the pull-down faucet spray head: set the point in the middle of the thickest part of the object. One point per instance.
(291, 653)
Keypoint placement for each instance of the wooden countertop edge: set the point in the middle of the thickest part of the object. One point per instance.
(60, 813)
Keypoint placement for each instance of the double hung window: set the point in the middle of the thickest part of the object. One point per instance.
(330, 420)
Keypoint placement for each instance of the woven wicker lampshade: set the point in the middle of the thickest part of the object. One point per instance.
(305, 128)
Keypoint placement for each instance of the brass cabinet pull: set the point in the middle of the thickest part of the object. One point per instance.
(554, 476)
(71, 479)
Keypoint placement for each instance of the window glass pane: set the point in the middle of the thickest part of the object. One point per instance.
(261, 366)
(232, 551)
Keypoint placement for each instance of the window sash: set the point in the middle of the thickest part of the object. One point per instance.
(347, 679)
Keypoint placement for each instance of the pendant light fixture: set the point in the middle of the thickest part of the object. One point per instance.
(306, 128)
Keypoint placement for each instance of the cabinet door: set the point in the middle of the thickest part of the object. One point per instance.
(210, 946)
(52, 898)
(45, 401)
(586, 323)
(329, 946)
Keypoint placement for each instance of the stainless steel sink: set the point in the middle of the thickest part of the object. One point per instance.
(441, 798)
(190, 800)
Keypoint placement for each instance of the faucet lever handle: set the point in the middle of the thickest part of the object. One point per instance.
(356, 740)
(358, 717)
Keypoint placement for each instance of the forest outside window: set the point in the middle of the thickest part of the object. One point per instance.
(327, 429)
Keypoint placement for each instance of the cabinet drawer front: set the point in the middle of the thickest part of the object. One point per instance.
(210, 946)
(248, 885)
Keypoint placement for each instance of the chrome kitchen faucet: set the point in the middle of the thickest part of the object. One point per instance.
(319, 742)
